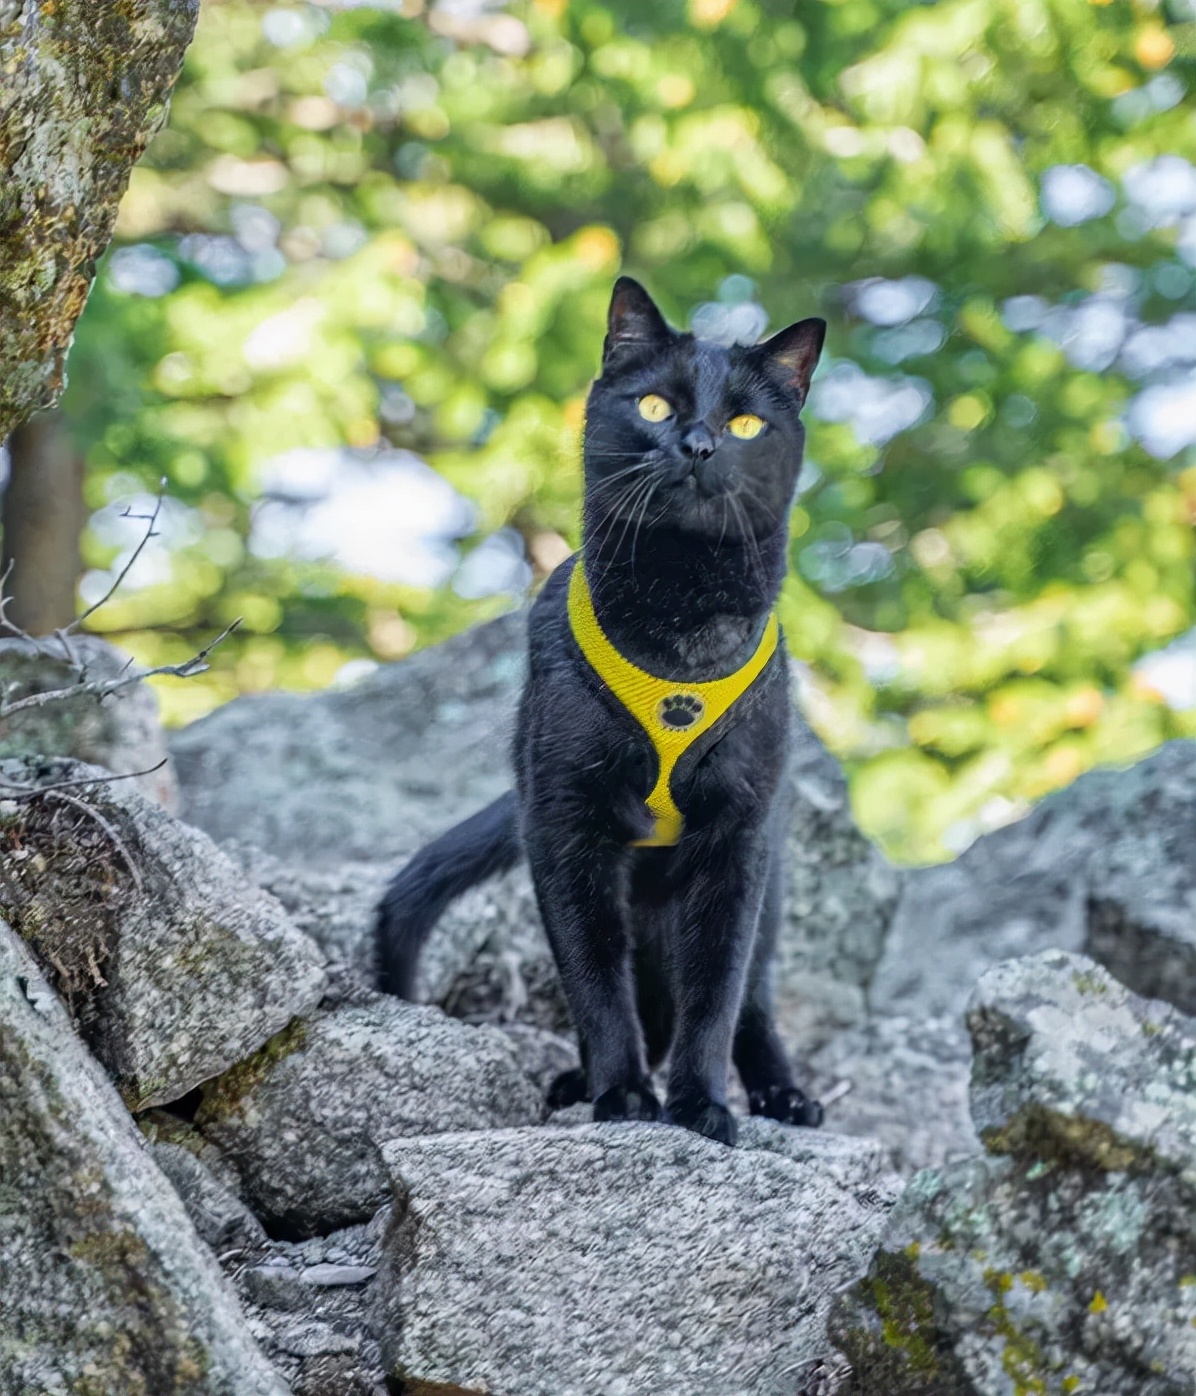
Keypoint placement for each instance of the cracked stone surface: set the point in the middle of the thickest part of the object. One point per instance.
(1060, 1261)
(104, 1283)
(304, 1121)
(176, 966)
(514, 1256)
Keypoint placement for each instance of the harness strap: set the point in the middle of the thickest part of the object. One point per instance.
(672, 715)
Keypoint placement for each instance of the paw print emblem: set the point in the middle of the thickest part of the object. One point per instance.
(680, 710)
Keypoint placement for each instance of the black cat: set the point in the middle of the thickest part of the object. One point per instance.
(650, 809)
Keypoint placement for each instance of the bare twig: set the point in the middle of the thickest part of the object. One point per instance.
(97, 978)
(93, 813)
(4, 576)
(98, 688)
(63, 635)
(15, 791)
(56, 790)
(150, 520)
(105, 688)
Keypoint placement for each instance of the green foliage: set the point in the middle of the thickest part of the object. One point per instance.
(452, 198)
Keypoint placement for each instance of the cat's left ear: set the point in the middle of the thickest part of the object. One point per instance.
(633, 319)
(792, 353)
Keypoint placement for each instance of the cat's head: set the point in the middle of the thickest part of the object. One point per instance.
(691, 434)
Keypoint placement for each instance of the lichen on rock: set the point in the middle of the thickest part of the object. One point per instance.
(304, 1119)
(1060, 1262)
(175, 966)
(84, 84)
(105, 1289)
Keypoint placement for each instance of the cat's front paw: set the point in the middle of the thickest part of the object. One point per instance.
(787, 1104)
(704, 1116)
(567, 1089)
(627, 1103)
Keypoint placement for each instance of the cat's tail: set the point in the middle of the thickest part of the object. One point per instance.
(480, 846)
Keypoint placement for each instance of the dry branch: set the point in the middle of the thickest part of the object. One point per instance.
(105, 688)
(58, 648)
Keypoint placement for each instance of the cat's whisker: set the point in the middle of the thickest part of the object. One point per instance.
(643, 517)
(622, 508)
(608, 480)
(627, 494)
(752, 494)
(751, 546)
(644, 487)
(595, 451)
(598, 452)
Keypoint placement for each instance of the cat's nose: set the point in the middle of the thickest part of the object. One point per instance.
(699, 441)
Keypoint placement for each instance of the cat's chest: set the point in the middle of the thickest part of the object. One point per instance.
(718, 646)
(591, 758)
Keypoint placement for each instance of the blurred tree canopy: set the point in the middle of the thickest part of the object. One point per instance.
(381, 236)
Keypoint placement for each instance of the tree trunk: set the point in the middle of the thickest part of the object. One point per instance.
(83, 86)
(42, 516)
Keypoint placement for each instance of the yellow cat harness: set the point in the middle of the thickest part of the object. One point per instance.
(673, 715)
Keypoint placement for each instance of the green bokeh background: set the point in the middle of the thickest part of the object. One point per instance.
(454, 190)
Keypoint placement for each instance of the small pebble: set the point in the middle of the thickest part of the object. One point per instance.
(338, 1274)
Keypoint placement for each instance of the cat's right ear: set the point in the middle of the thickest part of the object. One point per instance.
(793, 353)
(633, 320)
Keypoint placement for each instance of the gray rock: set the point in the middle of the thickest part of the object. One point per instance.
(840, 899)
(273, 1285)
(217, 1213)
(122, 733)
(1061, 1261)
(337, 1376)
(543, 1055)
(166, 1127)
(511, 978)
(337, 906)
(303, 1121)
(399, 756)
(338, 1274)
(1067, 1060)
(334, 906)
(314, 1339)
(1107, 867)
(620, 1259)
(174, 964)
(104, 1285)
(995, 902)
(902, 1081)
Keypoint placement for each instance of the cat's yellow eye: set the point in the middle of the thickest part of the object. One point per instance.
(745, 426)
(654, 408)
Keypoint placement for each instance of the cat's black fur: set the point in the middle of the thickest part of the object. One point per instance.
(660, 950)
